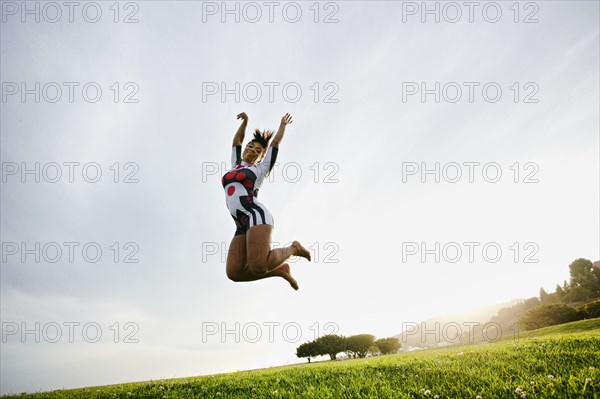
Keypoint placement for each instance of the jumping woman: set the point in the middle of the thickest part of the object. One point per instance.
(250, 256)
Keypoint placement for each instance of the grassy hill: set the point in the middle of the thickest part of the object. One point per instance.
(554, 362)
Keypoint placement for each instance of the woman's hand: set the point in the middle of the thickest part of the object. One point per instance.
(243, 116)
(286, 120)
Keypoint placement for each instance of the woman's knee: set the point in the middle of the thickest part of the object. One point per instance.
(233, 275)
(257, 268)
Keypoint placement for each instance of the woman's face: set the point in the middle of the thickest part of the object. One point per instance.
(253, 152)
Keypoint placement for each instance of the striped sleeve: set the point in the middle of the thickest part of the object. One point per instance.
(269, 161)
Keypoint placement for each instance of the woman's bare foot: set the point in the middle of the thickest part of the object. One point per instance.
(285, 272)
(301, 251)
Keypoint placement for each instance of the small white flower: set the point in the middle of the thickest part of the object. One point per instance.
(422, 390)
(532, 383)
(416, 375)
(275, 392)
(379, 374)
(427, 392)
(518, 390)
(588, 380)
(478, 397)
(523, 395)
(550, 376)
(436, 396)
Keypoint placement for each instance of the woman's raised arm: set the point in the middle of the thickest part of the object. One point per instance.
(286, 120)
(238, 139)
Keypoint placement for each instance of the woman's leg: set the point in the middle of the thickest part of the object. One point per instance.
(261, 259)
(237, 268)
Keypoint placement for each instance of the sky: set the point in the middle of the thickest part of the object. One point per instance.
(432, 167)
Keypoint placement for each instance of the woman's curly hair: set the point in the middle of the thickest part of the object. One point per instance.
(263, 137)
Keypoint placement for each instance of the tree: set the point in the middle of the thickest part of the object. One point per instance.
(544, 296)
(308, 350)
(580, 271)
(331, 345)
(578, 293)
(358, 345)
(388, 345)
(586, 277)
(560, 293)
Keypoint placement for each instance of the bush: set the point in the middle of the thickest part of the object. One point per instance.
(549, 315)
(591, 310)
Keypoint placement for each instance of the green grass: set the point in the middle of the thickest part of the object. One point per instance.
(567, 328)
(554, 362)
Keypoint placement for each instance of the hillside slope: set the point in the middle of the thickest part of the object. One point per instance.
(554, 362)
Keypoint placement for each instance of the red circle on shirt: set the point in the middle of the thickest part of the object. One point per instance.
(230, 190)
(230, 175)
(248, 183)
(240, 176)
